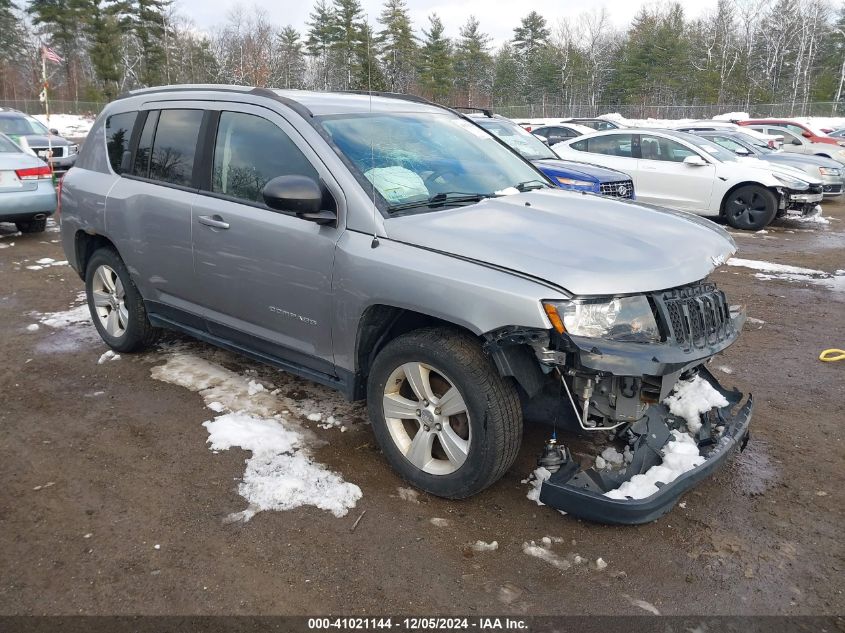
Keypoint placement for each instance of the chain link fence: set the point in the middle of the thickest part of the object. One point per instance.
(757, 110)
(34, 106)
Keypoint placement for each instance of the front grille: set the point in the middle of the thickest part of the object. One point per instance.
(815, 189)
(833, 188)
(695, 316)
(58, 152)
(618, 189)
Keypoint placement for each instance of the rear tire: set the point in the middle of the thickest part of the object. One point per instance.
(32, 226)
(456, 426)
(117, 308)
(750, 207)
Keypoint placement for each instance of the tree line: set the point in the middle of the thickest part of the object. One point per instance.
(739, 52)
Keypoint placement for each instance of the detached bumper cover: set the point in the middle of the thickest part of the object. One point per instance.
(581, 493)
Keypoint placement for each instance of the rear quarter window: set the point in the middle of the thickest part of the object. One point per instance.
(118, 131)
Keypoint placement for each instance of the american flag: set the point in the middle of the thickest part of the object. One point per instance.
(49, 53)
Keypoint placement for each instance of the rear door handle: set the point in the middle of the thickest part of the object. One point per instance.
(214, 221)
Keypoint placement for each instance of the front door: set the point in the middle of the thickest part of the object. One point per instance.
(265, 277)
(663, 178)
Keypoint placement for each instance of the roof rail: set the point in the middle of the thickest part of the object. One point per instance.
(485, 111)
(392, 95)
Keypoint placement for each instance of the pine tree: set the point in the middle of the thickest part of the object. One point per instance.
(530, 35)
(320, 37)
(104, 33)
(435, 64)
(59, 24)
(473, 63)
(397, 46)
(11, 31)
(507, 76)
(149, 25)
(367, 71)
(347, 31)
(291, 58)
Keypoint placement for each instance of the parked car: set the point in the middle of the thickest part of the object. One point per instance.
(27, 194)
(774, 141)
(566, 174)
(838, 134)
(47, 144)
(560, 132)
(683, 171)
(596, 124)
(828, 170)
(390, 248)
(801, 145)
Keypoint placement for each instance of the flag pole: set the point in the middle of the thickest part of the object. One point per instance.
(47, 110)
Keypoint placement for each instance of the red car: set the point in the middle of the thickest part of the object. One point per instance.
(814, 136)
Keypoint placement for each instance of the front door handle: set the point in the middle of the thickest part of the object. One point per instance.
(214, 221)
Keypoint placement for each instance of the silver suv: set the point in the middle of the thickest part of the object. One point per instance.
(393, 249)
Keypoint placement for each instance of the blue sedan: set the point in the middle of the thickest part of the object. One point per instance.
(566, 174)
(27, 194)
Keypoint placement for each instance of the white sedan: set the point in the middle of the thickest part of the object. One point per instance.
(683, 171)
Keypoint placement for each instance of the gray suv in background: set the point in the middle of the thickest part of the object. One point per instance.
(396, 251)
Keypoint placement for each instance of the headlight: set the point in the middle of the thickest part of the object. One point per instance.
(619, 319)
(792, 183)
(575, 183)
(72, 149)
(829, 171)
(842, 143)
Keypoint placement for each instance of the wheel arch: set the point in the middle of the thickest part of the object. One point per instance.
(85, 245)
(746, 183)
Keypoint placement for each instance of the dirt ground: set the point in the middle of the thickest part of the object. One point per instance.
(100, 464)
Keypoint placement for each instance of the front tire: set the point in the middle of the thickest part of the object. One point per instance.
(116, 306)
(750, 207)
(442, 414)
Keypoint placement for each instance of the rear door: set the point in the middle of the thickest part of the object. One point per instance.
(264, 277)
(616, 151)
(149, 209)
(663, 177)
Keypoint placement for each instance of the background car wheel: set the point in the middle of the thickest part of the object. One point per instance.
(116, 306)
(32, 226)
(442, 414)
(750, 207)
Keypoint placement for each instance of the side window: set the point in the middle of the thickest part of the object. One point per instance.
(118, 130)
(663, 149)
(581, 146)
(795, 129)
(145, 146)
(612, 145)
(788, 138)
(249, 152)
(174, 147)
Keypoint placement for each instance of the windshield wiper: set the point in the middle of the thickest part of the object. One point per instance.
(444, 197)
(526, 185)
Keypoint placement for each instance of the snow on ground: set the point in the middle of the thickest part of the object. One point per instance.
(108, 356)
(75, 315)
(536, 479)
(770, 270)
(46, 262)
(481, 546)
(438, 522)
(6, 244)
(72, 125)
(281, 473)
(408, 494)
(690, 398)
(679, 456)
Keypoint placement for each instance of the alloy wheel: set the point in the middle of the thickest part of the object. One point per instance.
(109, 299)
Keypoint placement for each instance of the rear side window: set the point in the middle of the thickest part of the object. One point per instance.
(7, 147)
(249, 152)
(581, 145)
(663, 149)
(175, 145)
(612, 145)
(141, 166)
(118, 130)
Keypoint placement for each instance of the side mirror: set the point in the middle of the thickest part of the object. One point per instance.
(695, 161)
(54, 131)
(806, 135)
(542, 138)
(742, 151)
(300, 195)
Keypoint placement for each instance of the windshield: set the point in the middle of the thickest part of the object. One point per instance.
(759, 145)
(8, 147)
(517, 138)
(21, 126)
(411, 159)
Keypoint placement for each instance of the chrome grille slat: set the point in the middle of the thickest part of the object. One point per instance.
(695, 316)
(611, 189)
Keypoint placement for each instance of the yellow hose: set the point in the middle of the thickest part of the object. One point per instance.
(832, 354)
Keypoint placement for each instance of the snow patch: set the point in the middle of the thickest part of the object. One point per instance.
(408, 494)
(679, 456)
(108, 356)
(32, 327)
(68, 125)
(536, 479)
(280, 474)
(690, 398)
(545, 554)
(73, 316)
(481, 546)
(438, 522)
(783, 272)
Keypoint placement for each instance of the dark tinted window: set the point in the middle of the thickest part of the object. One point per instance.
(612, 145)
(145, 146)
(175, 145)
(663, 149)
(249, 152)
(118, 130)
(581, 145)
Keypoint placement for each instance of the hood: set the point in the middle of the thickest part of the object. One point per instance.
(802, 160)
(587, 171)
(584, 243)
(39, 140)
(779, 168)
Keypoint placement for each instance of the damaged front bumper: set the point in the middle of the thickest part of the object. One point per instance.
(581, 492)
